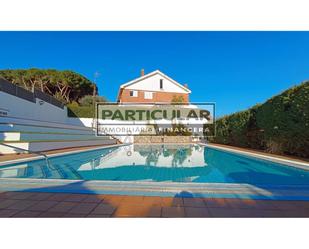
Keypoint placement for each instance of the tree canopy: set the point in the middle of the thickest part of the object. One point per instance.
(67, 86)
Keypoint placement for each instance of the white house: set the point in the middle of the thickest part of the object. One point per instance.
(154, 87)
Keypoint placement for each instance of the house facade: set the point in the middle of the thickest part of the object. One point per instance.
(155, 87)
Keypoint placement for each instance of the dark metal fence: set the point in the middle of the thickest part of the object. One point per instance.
(6, 86)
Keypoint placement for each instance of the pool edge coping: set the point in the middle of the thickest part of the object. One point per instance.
(288, 162)
(207, 190)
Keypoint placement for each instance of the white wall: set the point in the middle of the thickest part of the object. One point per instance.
(21, 108)
(152, 83)
(88, 122)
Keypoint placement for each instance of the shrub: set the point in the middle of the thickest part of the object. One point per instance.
(280, 125)
(77, 111)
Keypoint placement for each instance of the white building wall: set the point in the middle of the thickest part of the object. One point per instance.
(153, 84)
(20, 108)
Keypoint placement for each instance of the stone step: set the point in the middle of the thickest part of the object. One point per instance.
(21, 136)
(37, 146)
(5, 127)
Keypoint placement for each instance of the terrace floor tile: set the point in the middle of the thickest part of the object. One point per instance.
(133, 211)
(42, 205)
(4, 203)
(172, 202)
(173, 212)
(22, 204)
(105, 209)
(296, 213)
(71, 215)
(196, 212)
(29, 204)
(132, 200)
(98, 216)
(51, 214)
(63, 207)
(76, 197)
(154, 212)
(27, 214)
(193, 202)
(39, 196)
(216, 203)
(7, 212)
(154, 201)
(114, 200)
(58, 197)
(93, 199)
(83, 208)
(16, 195)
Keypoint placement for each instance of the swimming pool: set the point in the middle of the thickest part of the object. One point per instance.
(160, 163)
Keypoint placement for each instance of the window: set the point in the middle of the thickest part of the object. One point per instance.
(161, 84)
(148, 95)
(133, 93)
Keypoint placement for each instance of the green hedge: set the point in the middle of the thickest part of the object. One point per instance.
(80, 111)
(280, 125)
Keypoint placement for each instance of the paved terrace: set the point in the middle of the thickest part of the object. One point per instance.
(31, 204)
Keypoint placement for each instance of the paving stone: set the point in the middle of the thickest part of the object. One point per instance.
(113, 200)
(296, 213)
(267, 204)
(22, 205)
(178, 202)
(63, 207)
(70, 215)
(42, 205)
(196, 212)
(173, 212)
(234, 213)
(132, 200)
(154, 201)
(51, 214)
(132, 211)
(17, 195)
(4, 203)
(83, 208)
(216, 202)
(93, 199)
(272, 213)
(39, 196)
(289, 205)
(27, 214)
(7, 212)
(76, 197)
(172, 202)
(58, 197)
(155, 212)
(98, 216)
(105, 209)
(193, 202)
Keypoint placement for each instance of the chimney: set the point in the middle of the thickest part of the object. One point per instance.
(185, 85)
(142, 72)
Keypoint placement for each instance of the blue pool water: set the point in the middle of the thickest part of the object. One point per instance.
(159, 163)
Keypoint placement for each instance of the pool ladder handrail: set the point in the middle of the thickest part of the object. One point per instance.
(40, 153)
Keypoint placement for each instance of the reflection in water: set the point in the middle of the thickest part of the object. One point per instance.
(170, 162)
(178, 154)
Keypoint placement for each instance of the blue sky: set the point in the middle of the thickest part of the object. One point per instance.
(234, 69)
